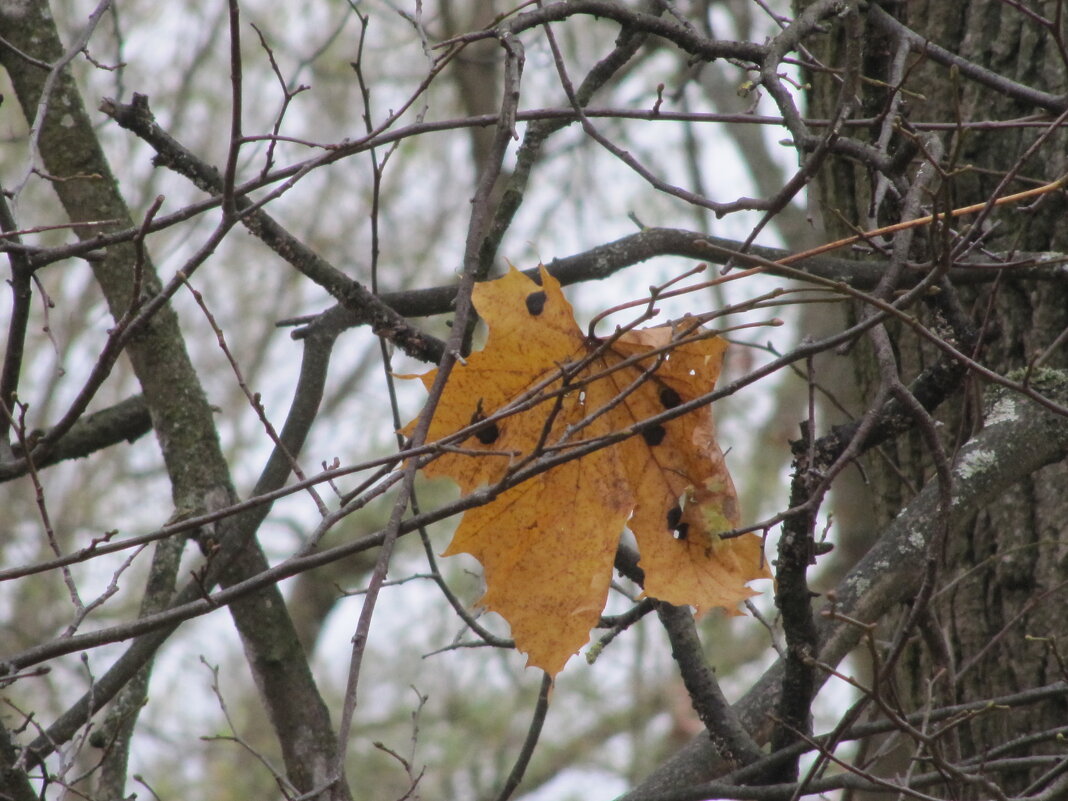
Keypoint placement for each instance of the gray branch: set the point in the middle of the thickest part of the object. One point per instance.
(1019, 438)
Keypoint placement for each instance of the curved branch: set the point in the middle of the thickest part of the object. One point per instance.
(605, 260)
(687, 38)
(1019, 438)
(126, 421)
(541, 709)
(723, 727)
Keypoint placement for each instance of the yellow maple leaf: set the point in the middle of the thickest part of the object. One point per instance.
(547, 545)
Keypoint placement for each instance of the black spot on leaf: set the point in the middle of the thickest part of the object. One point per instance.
(654, 436)
(674, 515)
(669, 398)
(536, 302)
(678, 529)
(489, 434)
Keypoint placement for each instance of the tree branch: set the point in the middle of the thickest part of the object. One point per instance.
(1020, 438)
(886, 23)
(298, 700)
(363, 306)
(724, 729)
(605, 260)
(124, 422)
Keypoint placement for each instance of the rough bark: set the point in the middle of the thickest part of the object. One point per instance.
(1000, 615)
(1022, 439)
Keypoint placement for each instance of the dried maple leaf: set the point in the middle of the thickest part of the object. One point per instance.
(547, 545)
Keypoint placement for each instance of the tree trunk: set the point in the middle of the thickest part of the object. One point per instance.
(998, 614)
